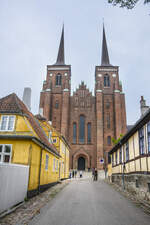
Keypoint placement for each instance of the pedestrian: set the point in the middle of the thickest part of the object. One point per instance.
(73, 174)
(70, 175)
(95, 175)
(80, 173)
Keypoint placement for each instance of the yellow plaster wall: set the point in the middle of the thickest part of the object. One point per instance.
(131, 150)
(143, 164)
(136, 143)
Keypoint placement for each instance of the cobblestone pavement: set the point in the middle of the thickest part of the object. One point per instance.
(23, 214)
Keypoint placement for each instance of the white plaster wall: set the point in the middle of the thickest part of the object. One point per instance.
(13, 184)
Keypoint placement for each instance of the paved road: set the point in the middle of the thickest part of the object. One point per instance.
(84, 202)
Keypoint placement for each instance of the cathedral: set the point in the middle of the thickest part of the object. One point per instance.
(87, 121)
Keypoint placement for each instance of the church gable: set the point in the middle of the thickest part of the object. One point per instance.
(82, 98)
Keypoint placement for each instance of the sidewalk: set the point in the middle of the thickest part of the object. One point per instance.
(30, 208)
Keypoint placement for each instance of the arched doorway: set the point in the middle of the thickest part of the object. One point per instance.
(81, 163)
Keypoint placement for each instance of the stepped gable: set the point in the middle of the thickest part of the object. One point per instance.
(12, 104)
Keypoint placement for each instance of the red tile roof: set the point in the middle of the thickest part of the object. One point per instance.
(12, 104)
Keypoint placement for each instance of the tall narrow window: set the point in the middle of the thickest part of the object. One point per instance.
(82, 129)
(108, 120)
(109, 140)
(106, 81)
(141, 141)
(116, 157)
(58, 79)
(120, 155)
(148, 136)
(127, 151)
(74, 133)
(89, 133)
(7, 123)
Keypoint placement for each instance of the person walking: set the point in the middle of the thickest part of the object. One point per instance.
(80, 173)
(73, 174)
(95, 174)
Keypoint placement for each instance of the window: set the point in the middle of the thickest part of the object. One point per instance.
(120, 155)
(109, 158)
(58, 79)
(81, 129)
(74, 133)
(7, 123)
(141, 141)
(106, 81)
(53, 164)
(5, 153)
(54, 140)
(116, 158)
(56, 164)
(148, 136)
(127, 151)
(89, 133)
(112, 159)
(56, 105)
(109, 140)
(108, 120)
(46, 162)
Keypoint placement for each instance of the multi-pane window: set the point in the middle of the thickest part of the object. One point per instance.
(89, 133)
(141, 140)
(7, 123)
(106, 81)
(116, 158)
(46, 162)
(148, 136)
(5, 153)
(74, 133)
(113, 159)
(81, 129)
(58, 79)
(109, 140)
(120, 155)
(127, 151)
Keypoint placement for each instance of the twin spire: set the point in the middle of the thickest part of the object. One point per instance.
(61, 52)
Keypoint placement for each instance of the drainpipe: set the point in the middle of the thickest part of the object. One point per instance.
(40, 171)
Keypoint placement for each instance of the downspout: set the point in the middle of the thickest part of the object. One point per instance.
(40, 171)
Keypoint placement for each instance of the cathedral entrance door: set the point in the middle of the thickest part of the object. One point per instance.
(81, 163)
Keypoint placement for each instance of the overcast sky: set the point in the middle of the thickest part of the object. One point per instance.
(29, 38)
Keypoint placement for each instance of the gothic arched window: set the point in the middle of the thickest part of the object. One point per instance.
(58, 79)
(106, 81)
(89, 133)
(74, 133)
(82, 129)
(109, 140)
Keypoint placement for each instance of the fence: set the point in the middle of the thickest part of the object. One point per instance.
(13, 184)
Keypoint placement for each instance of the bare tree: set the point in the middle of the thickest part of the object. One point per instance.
(129, 4)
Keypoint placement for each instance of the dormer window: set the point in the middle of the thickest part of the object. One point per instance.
(106, 81)
(58, 79)
(7, 123)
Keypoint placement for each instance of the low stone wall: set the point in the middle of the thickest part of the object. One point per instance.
(137, 184)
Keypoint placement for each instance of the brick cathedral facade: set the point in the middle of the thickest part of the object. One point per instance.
(88, 122)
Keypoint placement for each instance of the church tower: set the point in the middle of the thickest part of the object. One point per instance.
(54, 99)
(110, 105)
(87, 121)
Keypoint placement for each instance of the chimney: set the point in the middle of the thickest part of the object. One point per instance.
(143, 106)
(27, 97)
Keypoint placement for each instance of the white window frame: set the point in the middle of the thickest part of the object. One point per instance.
(3, 153)
(46, 161)
(7, 122)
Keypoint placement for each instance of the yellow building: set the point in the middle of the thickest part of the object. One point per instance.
(23, 141)
(131, 158)
(61, 145)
